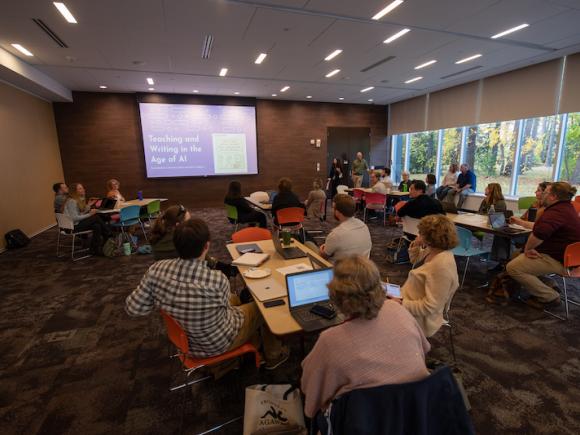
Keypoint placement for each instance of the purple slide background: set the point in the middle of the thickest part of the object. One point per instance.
(187, 120)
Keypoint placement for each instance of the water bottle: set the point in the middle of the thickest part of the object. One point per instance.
(140, 195)
(491, 209)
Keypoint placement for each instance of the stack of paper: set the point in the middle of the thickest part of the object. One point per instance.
(251, 259)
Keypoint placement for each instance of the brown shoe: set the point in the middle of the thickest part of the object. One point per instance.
(534, 302)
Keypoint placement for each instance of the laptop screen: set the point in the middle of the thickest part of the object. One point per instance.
(308, 287)
(497, 220)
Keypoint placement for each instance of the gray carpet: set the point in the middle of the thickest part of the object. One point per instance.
(71, 361)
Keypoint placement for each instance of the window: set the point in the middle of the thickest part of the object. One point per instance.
(399, 155)
(570, 163)
(423, 154)
(537, 157)
(450, 151)
(490, 152)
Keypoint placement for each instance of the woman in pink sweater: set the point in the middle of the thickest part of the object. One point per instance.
(380, 344)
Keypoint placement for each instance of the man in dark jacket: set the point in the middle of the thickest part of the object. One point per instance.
(558, 227)
(420, 204)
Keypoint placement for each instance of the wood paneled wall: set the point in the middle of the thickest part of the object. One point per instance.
(100, 138)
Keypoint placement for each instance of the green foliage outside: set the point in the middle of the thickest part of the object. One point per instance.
(570, 169)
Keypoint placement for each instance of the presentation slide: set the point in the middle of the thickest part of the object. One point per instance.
(186, 140)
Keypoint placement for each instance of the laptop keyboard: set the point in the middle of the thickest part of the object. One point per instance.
(306, 316)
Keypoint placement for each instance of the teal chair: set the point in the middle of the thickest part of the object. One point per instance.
(525, 202)
(129, 216)
(466, 249)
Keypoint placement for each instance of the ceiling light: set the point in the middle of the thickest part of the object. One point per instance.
(195, 91)
(508, 31)
(414, 79)
(22, 50)
(467, 59)
(367, 89)
(103, 87)
(150, 81)
(332, 55)
(396, 36)
(341, 98)
(332, 73)
(236, 93)
(370, 100)
(386, 10)
(426, 64)
(151, 89)
(260, 58)
(308, 96)
(65, 12)
(223, 72)
(285, 88)
(274, 95)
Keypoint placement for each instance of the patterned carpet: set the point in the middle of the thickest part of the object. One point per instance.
(71, 361)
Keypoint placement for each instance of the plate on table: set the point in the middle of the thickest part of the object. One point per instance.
(255, 273)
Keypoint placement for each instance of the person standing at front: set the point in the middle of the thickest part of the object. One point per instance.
(359, 167)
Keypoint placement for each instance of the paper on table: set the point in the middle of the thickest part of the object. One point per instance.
(300, 267)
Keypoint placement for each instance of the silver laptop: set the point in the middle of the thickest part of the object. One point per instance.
(315, 262)
(286, 253)
(306, 289)
(498, 222)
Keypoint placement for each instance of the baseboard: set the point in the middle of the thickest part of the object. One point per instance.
(33, 234)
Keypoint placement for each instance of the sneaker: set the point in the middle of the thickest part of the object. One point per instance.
(272, 365)
(534, 302)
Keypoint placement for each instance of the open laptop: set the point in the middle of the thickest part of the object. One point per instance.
(286, 253)
(106, 204)
(306, 289)
(498, 222)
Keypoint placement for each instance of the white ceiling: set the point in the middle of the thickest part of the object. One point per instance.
(166, 36)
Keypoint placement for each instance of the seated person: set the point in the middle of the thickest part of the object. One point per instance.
(198, 298)
(246, 214)
(315, 202)
(113, 190)
(525, 220)
(385, 177)
(350, 237)
(381, 344)
(449, 181)
(85, 218)
(433, 280)
(376, 185)
(558, 227)
(60, 196)
(493, 197)
(431, 181)
(419, 204)
(405, 183)
(466, 184)
(285, 198)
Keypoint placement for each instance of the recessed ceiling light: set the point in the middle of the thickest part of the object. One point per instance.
(370, 100)
(195, 91)
(414, 79)
(332, 55)
(467, 59)
(308, 96)
(332, 73)
(285, 88)
(274, 95)
(508, 31)
(341, 98)
(65, 12)
(236, 93)
(260, 58)
(426, 64)
(150, 81)
(396, 36)
(103, 87)
(367, 89)
(387, 9)
(151, 89)
(223, 72)
(22, 50)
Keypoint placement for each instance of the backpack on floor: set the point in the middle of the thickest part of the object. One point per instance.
(398, 251)
(16, 239)
(503, 288)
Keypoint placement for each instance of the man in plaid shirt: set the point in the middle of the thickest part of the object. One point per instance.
(199, 298)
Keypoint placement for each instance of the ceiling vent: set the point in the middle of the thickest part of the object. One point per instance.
(206, 47)
(49, 32)
(376, 64)
(460, 72)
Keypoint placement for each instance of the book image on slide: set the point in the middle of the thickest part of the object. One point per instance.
(229, 153)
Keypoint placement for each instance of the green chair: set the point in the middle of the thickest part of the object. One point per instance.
(525, 202)
(232, 215)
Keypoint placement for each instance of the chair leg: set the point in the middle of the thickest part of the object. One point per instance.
(565, 297)
(451, 344)
(143, 230)
(72, 253)
(465, 272)
(58, 243)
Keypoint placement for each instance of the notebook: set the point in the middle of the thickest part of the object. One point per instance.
(251, 259)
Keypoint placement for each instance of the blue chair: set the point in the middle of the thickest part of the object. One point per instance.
(466, 249)
(129, 216)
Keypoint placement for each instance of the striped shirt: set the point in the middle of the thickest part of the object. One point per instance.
(194, 295)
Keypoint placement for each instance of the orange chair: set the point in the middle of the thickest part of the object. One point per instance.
(376, 201)
(577, 199)
(571, 260)
(189, 364)
(251, 234)
(291, 219)
(576, 205)
(398, 205)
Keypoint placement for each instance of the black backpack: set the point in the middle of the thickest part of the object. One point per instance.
(16, 239)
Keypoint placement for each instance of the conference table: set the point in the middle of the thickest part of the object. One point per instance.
(277, 318)
(264, 206)
(122, 204)
(394, 193)
(479, 222)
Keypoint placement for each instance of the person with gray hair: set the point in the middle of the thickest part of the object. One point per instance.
(466, 184)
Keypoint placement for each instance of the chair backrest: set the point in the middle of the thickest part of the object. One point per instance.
(358, 193)
(526, 202)
(154, 207)
(251, 234)
(410, 225)
(64, 222)
(129, 213)
(577, 199)
(576, 205)
(341, 188)
(290, 215)
(375, 198)
(399, 204)
(175, 333)
(232, 212)
(465, 237)
(572, 255)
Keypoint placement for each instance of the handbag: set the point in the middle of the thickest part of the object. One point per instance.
(273, 409)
